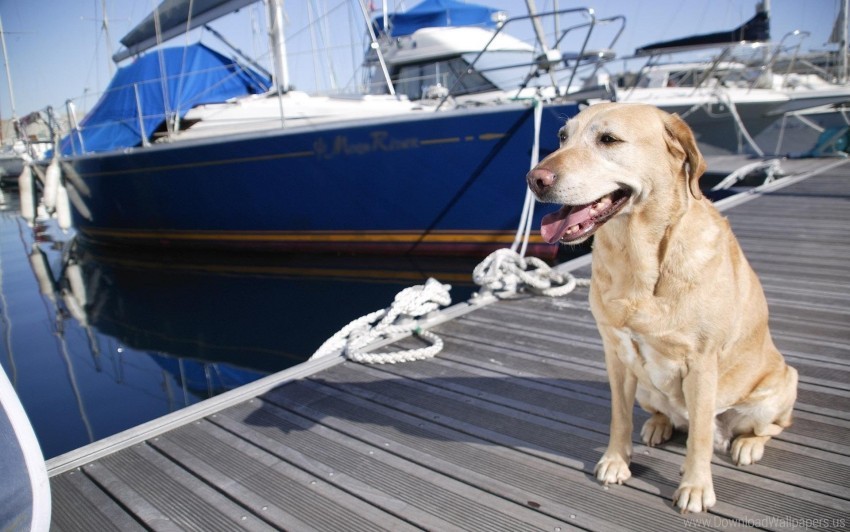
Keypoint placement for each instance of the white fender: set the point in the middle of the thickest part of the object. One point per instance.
(25, 189)
(51, 185)
(63, 208)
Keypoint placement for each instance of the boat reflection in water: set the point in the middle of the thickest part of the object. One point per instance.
(263, 313)
(141, 335)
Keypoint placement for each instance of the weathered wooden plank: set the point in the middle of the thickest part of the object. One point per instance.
(80, 504)
(456, 503)
(568, 445)
(161, 492)
(502, 470)
(279, 492)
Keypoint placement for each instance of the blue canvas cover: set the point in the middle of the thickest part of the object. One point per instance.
(436, 14)
(194, 75)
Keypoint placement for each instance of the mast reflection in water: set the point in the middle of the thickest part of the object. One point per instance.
(97, 341)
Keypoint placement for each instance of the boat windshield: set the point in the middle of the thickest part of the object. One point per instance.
(426, 79)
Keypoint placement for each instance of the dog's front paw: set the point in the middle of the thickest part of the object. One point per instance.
(694, 497)
(612, 469)
(748, 450)
(657, 430)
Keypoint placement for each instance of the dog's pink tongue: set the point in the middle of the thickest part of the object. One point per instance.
(555, 225)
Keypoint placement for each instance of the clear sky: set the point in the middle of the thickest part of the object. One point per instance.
(58, 48)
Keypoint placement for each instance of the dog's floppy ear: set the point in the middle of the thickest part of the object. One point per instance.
(680, 133)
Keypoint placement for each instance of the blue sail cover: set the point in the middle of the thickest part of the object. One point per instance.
(436, 14)
(194, 75)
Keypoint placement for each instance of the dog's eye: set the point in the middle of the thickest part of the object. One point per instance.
(562, 136)
(607, 138)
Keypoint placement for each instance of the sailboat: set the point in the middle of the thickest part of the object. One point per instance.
(821, 130)
(14, 146)
(430, 161)
(731, 99)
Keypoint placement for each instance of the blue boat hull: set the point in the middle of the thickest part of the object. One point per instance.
(437, 183)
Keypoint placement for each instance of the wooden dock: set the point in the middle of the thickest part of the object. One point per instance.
(502, 430)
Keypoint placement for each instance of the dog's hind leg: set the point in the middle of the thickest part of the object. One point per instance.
(657, 430)
(756, 422)
(747, 450)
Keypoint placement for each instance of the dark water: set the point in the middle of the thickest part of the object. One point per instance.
(97, 341)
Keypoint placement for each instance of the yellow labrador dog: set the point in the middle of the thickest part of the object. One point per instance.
(682, 315)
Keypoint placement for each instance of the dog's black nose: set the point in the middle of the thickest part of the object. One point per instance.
(539, 179)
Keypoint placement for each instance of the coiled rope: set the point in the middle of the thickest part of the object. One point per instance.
(397, 320)
(505, 271)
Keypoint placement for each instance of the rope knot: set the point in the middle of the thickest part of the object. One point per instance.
(505, 271)
(400, 318)
(416, 301)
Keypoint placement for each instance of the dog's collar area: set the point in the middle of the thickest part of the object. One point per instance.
(572, 223)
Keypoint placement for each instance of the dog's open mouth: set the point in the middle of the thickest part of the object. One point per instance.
(575, 222)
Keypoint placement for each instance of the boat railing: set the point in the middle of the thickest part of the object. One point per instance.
(794, 55)
(715, 70)
(595, 58)
(549, 61)
(807, 64)
(745, 64)
(135, 122)
(33, 134)
(167, 117)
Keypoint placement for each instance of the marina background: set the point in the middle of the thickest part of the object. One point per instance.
(103, 337)
(58, 49)
(168, 331)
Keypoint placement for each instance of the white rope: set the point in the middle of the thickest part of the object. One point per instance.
(504, 271)
(399, 319)
(507, 270)
(524, 228)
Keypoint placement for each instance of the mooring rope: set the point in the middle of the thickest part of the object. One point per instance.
(399, 319)
(505, 271)
(524, 227)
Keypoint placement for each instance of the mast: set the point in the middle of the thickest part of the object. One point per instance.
(8, 76)
(844, 12)
(839, 36)
(104, 26)
(538, 28)
(277, 43)
(386, 16)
